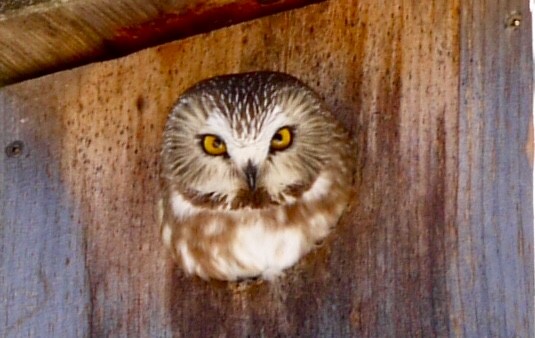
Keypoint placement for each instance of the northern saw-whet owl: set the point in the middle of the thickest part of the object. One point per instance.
(255, 171)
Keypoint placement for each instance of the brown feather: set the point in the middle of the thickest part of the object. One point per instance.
(208, 229)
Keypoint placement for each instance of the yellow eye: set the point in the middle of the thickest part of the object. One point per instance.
(213, 145)
(282, 139)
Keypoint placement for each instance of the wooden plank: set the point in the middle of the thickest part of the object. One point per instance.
(491, 272)
(12, 5)
(56, 35)
(442, 180)
(43, 280)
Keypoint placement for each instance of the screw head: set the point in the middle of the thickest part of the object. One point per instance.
(15, 149)
(514, 20)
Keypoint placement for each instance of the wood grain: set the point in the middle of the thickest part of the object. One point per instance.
(493, 263)
(57, 35)
(12, 5)
(438, 242)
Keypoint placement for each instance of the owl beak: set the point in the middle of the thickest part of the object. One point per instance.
(251, 172)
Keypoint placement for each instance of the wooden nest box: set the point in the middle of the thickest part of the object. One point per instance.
(438, 98)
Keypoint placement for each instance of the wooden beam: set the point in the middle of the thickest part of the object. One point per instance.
(55, 35)
(12, 5)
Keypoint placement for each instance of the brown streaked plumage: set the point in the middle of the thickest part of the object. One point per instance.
(255, 170)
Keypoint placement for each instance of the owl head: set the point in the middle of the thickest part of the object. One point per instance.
(246, 140)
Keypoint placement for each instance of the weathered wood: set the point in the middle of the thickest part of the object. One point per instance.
(493, 261)
(12, 5)
(439, 241)
(57, 35)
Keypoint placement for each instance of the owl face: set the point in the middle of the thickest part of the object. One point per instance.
(238, 141)
(255, 170)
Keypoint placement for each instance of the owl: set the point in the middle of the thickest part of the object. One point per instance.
(255, 171)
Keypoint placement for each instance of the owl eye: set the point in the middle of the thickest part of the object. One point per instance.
(213, 145)
(282, 139)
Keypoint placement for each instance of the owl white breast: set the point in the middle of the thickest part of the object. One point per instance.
(255, 170)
